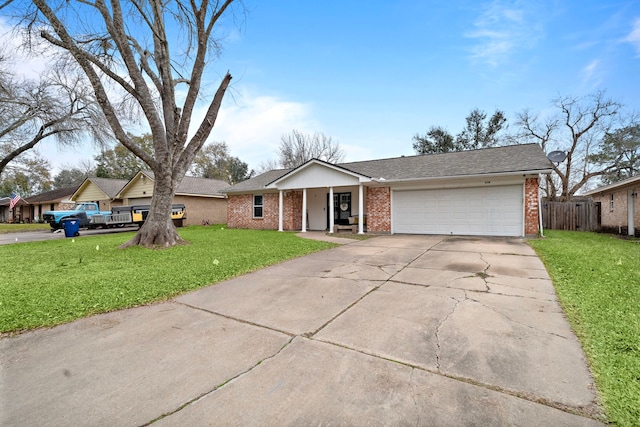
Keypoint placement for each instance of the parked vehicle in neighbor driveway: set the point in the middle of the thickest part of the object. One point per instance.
(88, 215)
(80, 211)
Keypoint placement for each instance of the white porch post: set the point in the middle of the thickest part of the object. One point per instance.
(360, 210)
(304, 210)
(631, 231)
(280, 211)
(331, 210)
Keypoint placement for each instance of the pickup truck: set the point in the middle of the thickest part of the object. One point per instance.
(81, 211)
(90, 217)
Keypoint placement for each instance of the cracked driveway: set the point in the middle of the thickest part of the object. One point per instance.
(393, 330)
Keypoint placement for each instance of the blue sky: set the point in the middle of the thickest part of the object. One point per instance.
(373, 74)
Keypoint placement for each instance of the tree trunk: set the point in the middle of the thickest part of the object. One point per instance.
(158, 230)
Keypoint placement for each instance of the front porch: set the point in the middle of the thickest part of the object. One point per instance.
(330, 209)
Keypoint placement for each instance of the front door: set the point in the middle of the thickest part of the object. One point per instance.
(341, 208)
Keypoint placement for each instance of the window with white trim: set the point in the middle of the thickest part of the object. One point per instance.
(257, 205)
(611, 203)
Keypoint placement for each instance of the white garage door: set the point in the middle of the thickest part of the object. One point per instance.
(481, 211)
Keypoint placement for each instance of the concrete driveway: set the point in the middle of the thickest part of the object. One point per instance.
(393, 330)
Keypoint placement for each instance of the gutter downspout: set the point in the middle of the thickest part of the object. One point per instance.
(541, 231)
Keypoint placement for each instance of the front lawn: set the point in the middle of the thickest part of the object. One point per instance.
(15, 228)
(597, 278)
(52, 282)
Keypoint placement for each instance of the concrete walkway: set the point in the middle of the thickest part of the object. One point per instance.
(392, 330)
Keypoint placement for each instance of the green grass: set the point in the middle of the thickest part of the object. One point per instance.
(597, 278)
(14, 228)
(52, 282)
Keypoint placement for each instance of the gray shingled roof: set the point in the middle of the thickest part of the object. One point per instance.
(488, 161)
(109, 186)
(201, 186)
(498, 160)
(192, 185)
(53, 195)
(257, 182)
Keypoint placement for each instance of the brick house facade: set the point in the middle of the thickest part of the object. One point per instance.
(477, 192)
(615, 209)
(240, 211)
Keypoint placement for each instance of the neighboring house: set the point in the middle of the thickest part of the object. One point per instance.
(491, 192)
(53, 200)
(5, 214)
(619, 206)
(19, 213)
(103, 191)
(204, 203)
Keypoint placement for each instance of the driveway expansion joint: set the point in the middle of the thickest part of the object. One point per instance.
(246, 322)
(588, 411)
(219, 386)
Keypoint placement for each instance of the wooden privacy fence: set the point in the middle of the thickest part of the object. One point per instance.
(578, 215)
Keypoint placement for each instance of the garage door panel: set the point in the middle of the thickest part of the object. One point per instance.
(489, 211)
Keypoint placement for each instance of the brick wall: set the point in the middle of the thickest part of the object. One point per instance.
(531, 211)
(291, 211)
(240, 211)
(378, 209)
(201, 209)
(618, 217)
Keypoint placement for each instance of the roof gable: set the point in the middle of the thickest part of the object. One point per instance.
(95, 188)
(316, 173)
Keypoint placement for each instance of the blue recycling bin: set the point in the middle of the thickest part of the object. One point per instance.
(71, 227)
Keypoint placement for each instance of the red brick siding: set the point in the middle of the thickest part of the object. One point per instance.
(531, 211)
(378, 209)
(240, 211)
(291, 211)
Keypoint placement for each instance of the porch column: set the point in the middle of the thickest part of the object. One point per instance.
(631, 231)
(332, 220)
(304, 210)
(360, 210)
(280, 210)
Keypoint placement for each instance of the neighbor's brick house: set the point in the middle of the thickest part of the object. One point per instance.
(619, 206)
(50, 201)
(479, 192)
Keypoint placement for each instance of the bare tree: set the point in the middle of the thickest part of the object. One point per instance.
(577, 128)
(148, 50)
(59, 105)
(297, 148)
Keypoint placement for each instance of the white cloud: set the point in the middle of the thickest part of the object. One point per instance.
(634, 36)
(591, 73)
(252, 124)
(501, 30)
